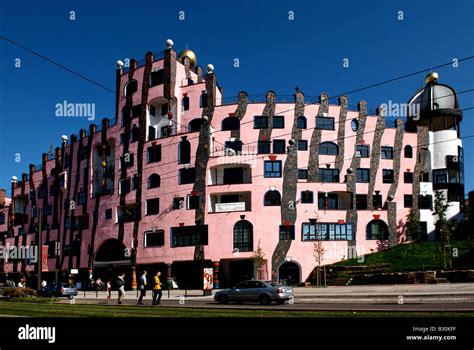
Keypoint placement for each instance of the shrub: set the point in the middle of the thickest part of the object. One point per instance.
(18, 293)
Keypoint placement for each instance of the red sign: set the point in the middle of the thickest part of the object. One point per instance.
(272, 158)
(44, 258)
(376, 217)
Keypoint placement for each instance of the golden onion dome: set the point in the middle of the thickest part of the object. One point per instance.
(189, 54)
(431, 77)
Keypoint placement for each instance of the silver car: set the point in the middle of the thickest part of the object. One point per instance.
(262, 291)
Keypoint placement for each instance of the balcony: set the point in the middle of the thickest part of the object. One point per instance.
(230, 174)
(127, 213)
(230, 202)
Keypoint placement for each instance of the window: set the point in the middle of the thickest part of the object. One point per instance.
(328, 148)
(408, 151)
(157, 77)
(361, 202)
(184, 152)
(362, 151)
(424, 176)
(233, 176)
(81, 198)
(355, 125)
(302, 174)
(67, 222)
(326, 232)
(203, 100)
(387, 176)
(152, 206)
(187, 176)
(186, 236)
(166, 131)
(272, 168)
(135, 182)
(2, 218)
(154, 181)
(185, 103)
(81, 222)
(302, 145)
(272, 198)
(377, 201)
(387, 152)
(307, 197)
(408, 201)
(108, 213)
(301, 122)
(287, 232)
(443, 176)
(130, 88)
(328, 201)
(363, 175)
(67, 161)
(41, 191)
(127, 160)
(328, 175)
(136, 110)
(195, 125)
(230, 198)
(124, 186)
(263, 147)
(154, 238)
(278, 122)
(154, 154)
(53, 249)
(151, 133)
(243, 236)
(324, 123)
(178, 203)
(230, 123)
(425, 202)
(260, 122)
(279, 146)
(408, 177)
(194, 202)
(376, 230)
(135, 134)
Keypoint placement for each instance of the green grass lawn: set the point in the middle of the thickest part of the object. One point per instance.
(86, 310)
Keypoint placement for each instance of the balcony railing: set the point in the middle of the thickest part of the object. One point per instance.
(229, 152)
(229, 207)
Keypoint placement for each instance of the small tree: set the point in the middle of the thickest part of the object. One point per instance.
(258, 258)
(444, 228)
(318, 253)
(412, 225)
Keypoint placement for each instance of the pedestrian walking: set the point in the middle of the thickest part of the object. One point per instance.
(142, 288)
(121, 287)
(157, 289)
(109, 290)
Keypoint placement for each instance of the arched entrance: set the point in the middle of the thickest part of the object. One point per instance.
(111, 259)
(289, 273)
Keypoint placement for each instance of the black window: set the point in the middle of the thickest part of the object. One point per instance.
(387, 176)
(185, 103)
(81, 222)
(108, 213)
(194, 202)
(279, 146)
(325, 123)
(387, 152)
(307, 197)
(184, 152)
(136, 111)
(377, 230)
(263, 147)
(301, 122)
(81, 197)
(328, 175)
(157, 77)
(408, 177)
(408, 151)
(408, 200)
(328, 201)
(189, 236)
(272, 168)
(230, 198)
(151, 133)
(260, 122)
(2, 218)
(327, 232)
(230, 123)
(362, 151)
(424, 176)
(377, 201)
(272, 198)
(243, 236)
(166, 131)
(152, 206)
(328, 148)
(425, 202)
(195, 125)
(278, 122)
(135, 182)
(41, 191)
(178, 203)
(302, 174)
(203, 100)
(154, 181)
(233, 176)
(361, 202)
(187, 176)
(234, 145)
(363, 175)
(154, 238)
(127, 160)
(124, 186)
(67, 161)
(135, 134)
(302, 145)
(287, 232)
(154, 154)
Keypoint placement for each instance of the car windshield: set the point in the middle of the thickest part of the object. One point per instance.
(274, 284)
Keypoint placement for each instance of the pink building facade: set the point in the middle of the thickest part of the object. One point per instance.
(182, 179)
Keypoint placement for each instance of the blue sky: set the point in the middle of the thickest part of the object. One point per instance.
(274, 52)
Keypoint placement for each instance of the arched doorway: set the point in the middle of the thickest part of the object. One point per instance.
(289, 273)
(111, 259)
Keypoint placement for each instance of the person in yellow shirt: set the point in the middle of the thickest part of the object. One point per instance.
(157, 289)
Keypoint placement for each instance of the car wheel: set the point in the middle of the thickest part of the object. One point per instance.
(222, 299)
(280, 302)
(265, 300)
(71, 297)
